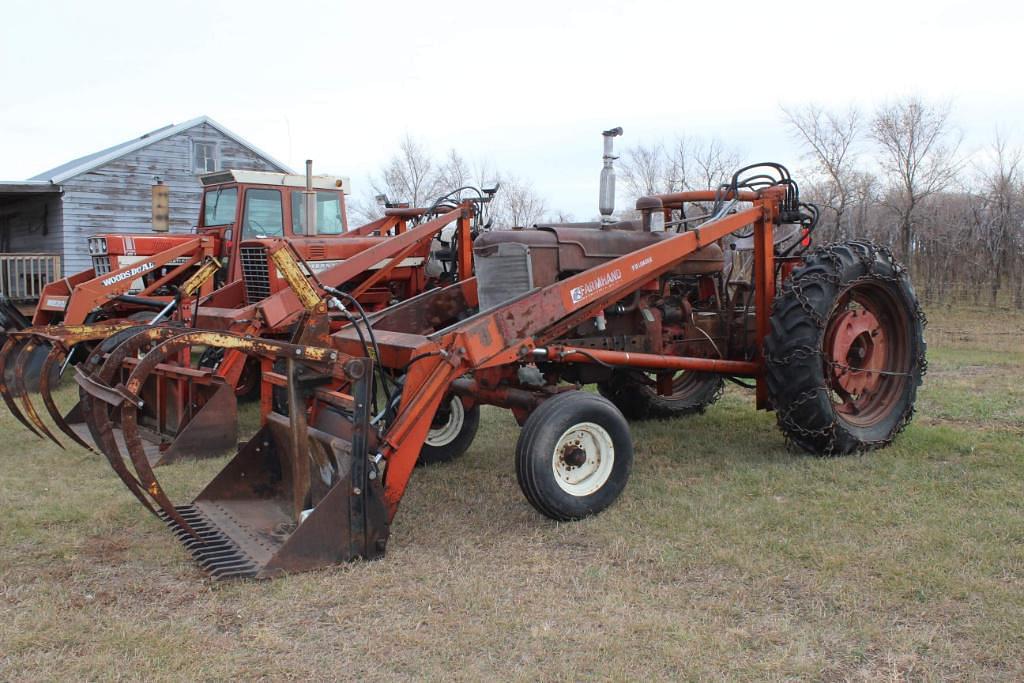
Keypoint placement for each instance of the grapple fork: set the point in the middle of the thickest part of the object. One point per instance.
(299, 494)
(20, 363)
(8, 370)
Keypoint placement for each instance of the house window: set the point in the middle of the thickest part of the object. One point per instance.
(204, 157)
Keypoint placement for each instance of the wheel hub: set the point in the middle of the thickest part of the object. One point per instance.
(573, 455)
(858, 351)
(447, 423)
(583, 458)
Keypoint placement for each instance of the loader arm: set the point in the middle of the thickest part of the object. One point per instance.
(284, 308)
(88, 295)
(511, 332)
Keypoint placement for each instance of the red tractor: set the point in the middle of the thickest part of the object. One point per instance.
(655, 312)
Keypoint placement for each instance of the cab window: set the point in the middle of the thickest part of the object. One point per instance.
(263, 217)
(219, 207)
(328, 214)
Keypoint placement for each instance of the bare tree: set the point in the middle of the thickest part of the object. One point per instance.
(698, 164)
(864, 199)
(453, 173)
(713, 163)
(998, 212)
(643, 170)
(919, 156)
(517, 204)
(690, 164)
(410, 176)
(830, 139)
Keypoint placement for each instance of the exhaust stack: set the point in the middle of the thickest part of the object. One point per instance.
(606, 201)
(309, 199)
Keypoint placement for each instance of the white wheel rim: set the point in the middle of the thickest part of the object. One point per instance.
(583, 459)
(449, 431)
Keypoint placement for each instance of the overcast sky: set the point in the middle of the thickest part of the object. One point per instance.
(526, 85)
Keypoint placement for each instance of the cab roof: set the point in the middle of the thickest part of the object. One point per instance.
(320, 182)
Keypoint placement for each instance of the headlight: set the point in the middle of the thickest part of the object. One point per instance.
(97, 246)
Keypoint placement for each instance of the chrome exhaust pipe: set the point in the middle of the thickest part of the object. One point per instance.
(606, 201)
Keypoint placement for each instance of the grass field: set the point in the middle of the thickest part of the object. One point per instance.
(728, 556)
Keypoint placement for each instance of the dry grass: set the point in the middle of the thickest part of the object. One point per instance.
(727, 557)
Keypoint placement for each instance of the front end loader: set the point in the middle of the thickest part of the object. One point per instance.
(382, 262)
(190, 407)
(655, 312)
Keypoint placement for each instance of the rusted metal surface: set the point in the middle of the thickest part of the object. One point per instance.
(297, 281)
(57, 355)
(209, 268)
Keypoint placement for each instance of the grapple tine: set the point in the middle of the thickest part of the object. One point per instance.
(143, 470)
(102, 430)
(57, 355)
(6, 355)
(22, 390)
(97, 413)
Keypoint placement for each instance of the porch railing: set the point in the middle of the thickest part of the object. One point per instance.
(23, 276)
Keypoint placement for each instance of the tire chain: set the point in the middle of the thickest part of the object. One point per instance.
(868, 259)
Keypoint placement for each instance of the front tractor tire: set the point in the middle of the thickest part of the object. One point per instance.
(634, 394)
(451, 432)
(574, 455)
(846, 350)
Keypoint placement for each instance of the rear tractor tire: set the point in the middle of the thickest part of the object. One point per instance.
(693, 393)
(451, 433)
(846, 351)
(574, 455)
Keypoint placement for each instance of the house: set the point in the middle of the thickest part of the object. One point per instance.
(45, 221)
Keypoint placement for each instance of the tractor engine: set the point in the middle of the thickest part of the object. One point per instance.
(680, 314)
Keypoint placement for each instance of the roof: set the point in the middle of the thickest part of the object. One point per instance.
(16, 190)
(321, 182)
(91, 161)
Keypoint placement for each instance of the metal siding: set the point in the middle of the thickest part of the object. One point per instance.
(117, 197)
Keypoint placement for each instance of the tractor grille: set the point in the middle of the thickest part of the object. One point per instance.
(256, 274)
(101, 264)
(503, 272)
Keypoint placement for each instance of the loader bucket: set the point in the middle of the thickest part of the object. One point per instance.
(251, 523)
(296, 496)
